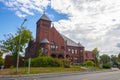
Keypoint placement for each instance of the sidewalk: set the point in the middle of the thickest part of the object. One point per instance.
(115, 69)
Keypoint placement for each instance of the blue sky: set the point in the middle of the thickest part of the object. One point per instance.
(93, 23)
(10, 22)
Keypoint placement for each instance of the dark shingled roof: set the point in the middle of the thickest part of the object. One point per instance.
(71, 42)
(44, 17)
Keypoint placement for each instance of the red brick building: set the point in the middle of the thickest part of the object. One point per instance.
(55, 44)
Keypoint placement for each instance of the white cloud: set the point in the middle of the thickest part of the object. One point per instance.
(91, 21)
(26, 7)
(18, 13)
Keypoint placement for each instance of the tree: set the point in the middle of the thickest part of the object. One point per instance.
(11, 43)
(119, 59)
(1, 59)
(105, 58)
(96, 53)
(114, 60)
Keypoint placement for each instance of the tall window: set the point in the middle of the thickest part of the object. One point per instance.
(81, 51)
(69, 49)
(81, 59)
(75, 60)
(54, 47)
(76, 51)
(72, 51)
(44, 51)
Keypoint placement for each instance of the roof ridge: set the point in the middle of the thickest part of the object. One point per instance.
(71, 42)
(69, 39)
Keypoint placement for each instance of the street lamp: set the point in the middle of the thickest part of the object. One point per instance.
(17, 65)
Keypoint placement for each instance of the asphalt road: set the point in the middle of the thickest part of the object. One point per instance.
(112, 75)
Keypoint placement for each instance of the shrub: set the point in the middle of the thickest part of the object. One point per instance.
(66, 65)
(45, 61)
(89, 63)
(57, 63)
(106, 66)
(1, 61)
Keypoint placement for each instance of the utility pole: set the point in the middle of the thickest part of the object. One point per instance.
(17, 65)
(29, 65)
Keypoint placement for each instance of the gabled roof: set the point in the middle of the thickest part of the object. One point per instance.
(44, 17)
(71, 42)
(44, 41)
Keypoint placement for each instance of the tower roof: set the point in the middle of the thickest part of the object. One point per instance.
(44, 17)
(44, 41)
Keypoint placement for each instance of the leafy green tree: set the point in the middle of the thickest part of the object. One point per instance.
(1, 59)
(96, 52)
(11, 43)
(114, 60)
(1, 54)
(119, 59)
(105, 58)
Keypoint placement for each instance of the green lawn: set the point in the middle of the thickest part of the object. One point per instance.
(40, 70)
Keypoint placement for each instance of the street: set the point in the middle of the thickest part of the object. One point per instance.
(107, 75)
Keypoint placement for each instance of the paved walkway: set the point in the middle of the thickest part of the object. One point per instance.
(115, 69)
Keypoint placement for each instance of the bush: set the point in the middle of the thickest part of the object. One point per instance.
(66, 65)
(89, 63)
(1, 61)
(106, 66)
(45, 61)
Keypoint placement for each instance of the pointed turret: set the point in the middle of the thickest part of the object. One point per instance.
(44, 17)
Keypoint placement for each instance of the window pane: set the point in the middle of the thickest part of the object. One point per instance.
(72, 50)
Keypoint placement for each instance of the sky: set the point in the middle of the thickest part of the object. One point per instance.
(93, 23)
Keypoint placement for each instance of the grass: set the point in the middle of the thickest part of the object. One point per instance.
(40, 70)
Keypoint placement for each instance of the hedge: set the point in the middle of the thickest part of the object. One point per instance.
(89, 63)
(44, 61)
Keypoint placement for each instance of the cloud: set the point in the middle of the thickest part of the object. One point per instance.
(118, 45)
(26, 7)
(95, 23)
(18, 13)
